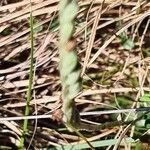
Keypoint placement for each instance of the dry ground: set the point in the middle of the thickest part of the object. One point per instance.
(112, 76)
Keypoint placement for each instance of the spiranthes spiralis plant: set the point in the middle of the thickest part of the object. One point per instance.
(69, 66)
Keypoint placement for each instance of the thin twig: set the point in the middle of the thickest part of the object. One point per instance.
(81, 114)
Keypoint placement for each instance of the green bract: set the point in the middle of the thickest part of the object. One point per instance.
(73, 90)
(69, 63)
(73, 77)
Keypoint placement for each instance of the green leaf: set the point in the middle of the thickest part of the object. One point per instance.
(95, 144)
(145, 98)
(124, 101)
(141, 123)
(127, 43)
(38, 29)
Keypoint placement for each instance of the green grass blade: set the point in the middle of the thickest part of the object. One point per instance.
(95, 144)
(29, 92)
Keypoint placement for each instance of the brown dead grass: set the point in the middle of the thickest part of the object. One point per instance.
(108, 70)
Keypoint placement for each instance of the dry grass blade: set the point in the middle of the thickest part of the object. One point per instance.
(115, 78)
(92, 37)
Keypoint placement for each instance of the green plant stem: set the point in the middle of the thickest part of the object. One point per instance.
(68, 66)
(29, 92)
